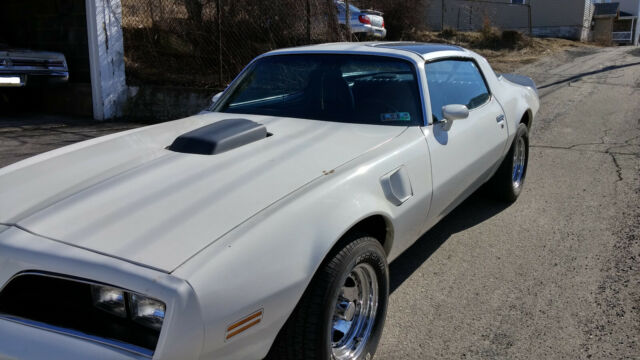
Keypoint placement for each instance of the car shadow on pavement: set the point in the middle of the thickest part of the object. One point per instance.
(578, 77)
(476, 209)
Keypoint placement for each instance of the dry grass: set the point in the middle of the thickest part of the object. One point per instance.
(506, 51)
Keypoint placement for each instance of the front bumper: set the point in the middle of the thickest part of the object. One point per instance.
(17, 78)
(181, 336)
(18, 341)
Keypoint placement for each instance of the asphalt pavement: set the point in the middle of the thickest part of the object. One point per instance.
(555, 275)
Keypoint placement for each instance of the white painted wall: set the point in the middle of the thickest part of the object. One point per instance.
(106, 56)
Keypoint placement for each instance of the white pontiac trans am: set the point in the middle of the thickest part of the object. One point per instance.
(263, 227)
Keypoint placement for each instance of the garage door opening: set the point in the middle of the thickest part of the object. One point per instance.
(34, 34)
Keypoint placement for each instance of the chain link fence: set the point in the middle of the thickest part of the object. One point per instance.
(204, 43)
(473, 15)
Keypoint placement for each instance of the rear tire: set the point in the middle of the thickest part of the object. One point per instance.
(342, 312)
(508, 181)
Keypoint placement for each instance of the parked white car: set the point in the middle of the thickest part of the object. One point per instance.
(363, 23)
(263, 228)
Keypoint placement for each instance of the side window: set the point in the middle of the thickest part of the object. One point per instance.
(455, 82)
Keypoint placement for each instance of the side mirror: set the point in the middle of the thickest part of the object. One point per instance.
(451, 113)
(215, 98)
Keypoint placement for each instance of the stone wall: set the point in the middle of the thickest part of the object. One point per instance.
(161, 103)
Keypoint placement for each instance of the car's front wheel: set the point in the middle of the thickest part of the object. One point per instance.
(341, 314)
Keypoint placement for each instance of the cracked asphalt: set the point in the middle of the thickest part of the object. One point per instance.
(555, 275)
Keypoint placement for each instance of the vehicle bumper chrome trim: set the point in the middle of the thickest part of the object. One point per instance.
(113, 343)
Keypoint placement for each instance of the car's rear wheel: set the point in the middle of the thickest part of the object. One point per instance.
(341, 314)
(508, 181)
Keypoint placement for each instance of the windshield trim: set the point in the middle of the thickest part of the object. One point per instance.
(415, 66)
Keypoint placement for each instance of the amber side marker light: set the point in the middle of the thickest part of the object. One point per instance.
(244, 324)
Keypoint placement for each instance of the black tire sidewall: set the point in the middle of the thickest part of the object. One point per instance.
(363, 250)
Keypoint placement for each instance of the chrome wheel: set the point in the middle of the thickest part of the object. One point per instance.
(355, 313)
(519, 162)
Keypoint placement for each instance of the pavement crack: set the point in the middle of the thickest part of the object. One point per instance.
(618, 168)
(573, 148)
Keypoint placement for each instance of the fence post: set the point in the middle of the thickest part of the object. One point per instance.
(331, 20)
(219, 21)
(529, 14)
(347, 15)
(442, 17)
(308, 22)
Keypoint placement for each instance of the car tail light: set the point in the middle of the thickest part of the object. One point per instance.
(364, 19)
(383, 24)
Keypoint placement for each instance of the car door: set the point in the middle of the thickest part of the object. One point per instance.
(466, 154)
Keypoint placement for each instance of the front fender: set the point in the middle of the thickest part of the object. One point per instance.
(267, 262)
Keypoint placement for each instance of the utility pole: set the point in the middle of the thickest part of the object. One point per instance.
(308, 22)
(219, 19)
(529, 14)
(347, 14)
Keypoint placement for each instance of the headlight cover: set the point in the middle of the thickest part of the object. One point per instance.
(141, 309)
(147, 311)
(109, 299)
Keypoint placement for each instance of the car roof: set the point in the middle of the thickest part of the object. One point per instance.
(425, 51)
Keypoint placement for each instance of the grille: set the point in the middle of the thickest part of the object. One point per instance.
(36, 63)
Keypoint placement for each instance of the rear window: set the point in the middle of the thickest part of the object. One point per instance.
(341, 88)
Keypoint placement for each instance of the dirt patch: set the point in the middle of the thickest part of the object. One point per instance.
(505, 50)
(578, 53)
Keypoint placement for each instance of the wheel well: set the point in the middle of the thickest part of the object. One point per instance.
(526, 119)
(376, 226)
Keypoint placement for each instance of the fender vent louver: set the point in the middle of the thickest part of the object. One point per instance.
(219, 137)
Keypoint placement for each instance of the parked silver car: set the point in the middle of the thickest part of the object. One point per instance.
(364, 23)
(19, 67)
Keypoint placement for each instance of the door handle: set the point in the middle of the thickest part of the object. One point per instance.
(500, 118)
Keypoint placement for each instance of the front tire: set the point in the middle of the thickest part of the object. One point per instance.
(508, 181)
(342, 312)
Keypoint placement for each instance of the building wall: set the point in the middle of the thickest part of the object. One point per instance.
(633, 7)
(630, 6)
(566, 18)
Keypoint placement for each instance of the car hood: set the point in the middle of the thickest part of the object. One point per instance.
(127, 196)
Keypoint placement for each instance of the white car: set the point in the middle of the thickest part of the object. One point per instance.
(264, 227)
(363, 23)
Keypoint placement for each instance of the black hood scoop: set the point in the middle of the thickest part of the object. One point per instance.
(219, 137)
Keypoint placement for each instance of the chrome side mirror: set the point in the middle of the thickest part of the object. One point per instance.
(451, 113)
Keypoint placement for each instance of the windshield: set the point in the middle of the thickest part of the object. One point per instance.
(342, 88)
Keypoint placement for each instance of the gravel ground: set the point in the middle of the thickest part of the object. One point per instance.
(556, 275)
